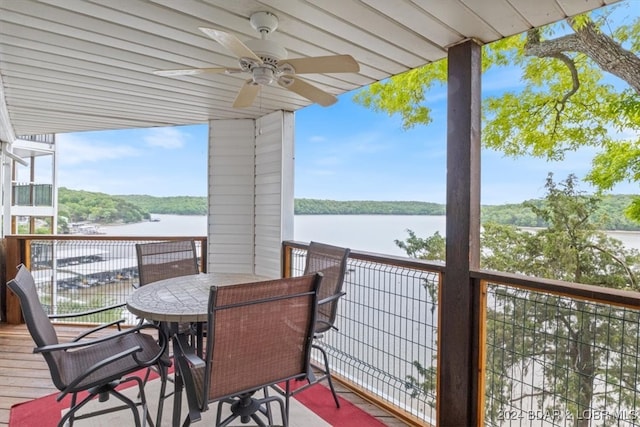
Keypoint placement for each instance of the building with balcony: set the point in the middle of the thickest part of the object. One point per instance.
(29, 186)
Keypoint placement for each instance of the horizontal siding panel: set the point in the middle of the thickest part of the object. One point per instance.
(270, 157)
(267, 220)
(230, 190)
(222, 209)
(267, 199)
(233, 148)
(268, 168)
(268, 178)
(231, 161)
(234, 180)
(219, 229)
(269, 209)
(226, 258)
(272, 243)
(216, 249)
(263, 149)
(265, 230)
(269, 188)
(222, 171)
(232, 219)
(233, 239)
(236, 200)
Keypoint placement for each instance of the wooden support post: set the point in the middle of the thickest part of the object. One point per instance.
(13, 256)
(458, 332)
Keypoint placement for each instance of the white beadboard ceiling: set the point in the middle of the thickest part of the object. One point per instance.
(76, 65)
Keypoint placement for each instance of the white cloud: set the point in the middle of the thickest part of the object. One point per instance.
(74, 149)
(167, 137)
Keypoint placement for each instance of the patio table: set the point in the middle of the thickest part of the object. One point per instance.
(178, 300)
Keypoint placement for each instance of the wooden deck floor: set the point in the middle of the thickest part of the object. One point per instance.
(24, 375)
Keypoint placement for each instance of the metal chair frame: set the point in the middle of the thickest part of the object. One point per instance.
(165, 260)
(331, 261)
(96, 365)
(258, 335)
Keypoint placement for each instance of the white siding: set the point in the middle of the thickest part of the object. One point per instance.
(250, 193)
(274, 189)
(231, 196)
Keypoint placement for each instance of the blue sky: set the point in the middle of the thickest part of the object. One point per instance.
(343, 152)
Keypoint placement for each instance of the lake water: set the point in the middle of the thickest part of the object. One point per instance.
(372, 233)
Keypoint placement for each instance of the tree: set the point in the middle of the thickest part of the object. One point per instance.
(566, 101)
(571, 344)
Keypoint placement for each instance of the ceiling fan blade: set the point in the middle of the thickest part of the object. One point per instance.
(232, 43)
(247, 94)
(193, 71)
(307, 90)
(322, 64)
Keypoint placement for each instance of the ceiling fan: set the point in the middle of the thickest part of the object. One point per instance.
(267, 62)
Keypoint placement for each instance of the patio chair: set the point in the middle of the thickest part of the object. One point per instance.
(96, 365)
(331, 261)
(258, 334)
(165, 260)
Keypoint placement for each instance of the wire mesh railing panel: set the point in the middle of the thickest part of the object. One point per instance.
(386, 335)
(74, 276)
(557, 361)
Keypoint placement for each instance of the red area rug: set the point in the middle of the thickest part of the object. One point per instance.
(320, 400)
(45, 411)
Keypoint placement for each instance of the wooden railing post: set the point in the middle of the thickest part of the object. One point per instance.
(14, 254)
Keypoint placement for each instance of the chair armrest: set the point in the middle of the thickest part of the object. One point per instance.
(85, 313)
(189, 353)
(88, 313)
(100, 327)
(79, 344)
(331, 298)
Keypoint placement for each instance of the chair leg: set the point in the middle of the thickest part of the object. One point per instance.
(312, 379)
(248, 408)
(164, 373)
(103, 392)
(327, 373)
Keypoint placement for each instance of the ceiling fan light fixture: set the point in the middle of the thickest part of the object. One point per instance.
(263, 75)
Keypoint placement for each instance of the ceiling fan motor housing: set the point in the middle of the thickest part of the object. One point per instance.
(269, 51)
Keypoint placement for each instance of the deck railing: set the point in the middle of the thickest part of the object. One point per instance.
(387, 329)
(552, 353)
(76, 273)
(548, 347)
(559, 354)
(26, 194)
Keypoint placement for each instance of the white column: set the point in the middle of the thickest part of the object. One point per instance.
(250, 193)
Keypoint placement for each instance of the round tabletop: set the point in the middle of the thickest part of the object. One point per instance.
(182, 299)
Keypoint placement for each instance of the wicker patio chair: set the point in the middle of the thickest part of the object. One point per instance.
(165, 260)
(331, 261)
(258, 334)
(96, 365)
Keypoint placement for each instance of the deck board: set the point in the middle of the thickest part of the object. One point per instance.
(24, 375)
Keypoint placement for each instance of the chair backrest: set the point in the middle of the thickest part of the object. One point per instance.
(38, 323)
(164, 260)
(259, 334)
(331, 261)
